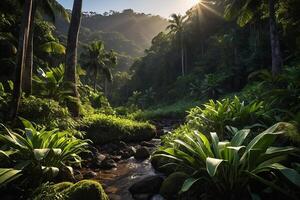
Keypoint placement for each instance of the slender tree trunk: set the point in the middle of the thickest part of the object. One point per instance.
(185, 60)
(95, 77)
(182, 54)
(22, 48)
(275, 43)
(71, 56)
(27, 73)
(105, 87)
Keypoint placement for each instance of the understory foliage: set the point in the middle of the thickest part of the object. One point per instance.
(214, 116)
(41, 154)
(233, 168)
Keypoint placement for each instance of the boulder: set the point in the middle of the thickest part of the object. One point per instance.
(142, 153)
(172, 185)
(149, 185)
(108, 164)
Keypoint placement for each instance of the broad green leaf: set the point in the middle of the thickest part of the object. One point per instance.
(212, 165)
(240, 137)
(7, 175)
(291, 174)
(40, 154)
(188, 183)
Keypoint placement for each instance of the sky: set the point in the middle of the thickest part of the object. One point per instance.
(163, 8)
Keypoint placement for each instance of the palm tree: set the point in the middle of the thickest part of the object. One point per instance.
(71, 57)
(99, 59)
(176, 27)
(48, 7)
(22, 48)
(243, 9)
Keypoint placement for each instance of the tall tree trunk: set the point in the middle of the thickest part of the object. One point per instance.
(27, 73)
(182, 54)
(275, 43)
(185, 60)
(71, 56)
(95, 77)
(22, 48)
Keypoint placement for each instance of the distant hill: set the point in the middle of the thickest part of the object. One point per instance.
(127, 32)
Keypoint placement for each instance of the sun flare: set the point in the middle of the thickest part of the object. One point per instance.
(194, 2)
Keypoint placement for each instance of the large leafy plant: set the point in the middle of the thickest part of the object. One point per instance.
(50, 84)
(39, 153)
(216, 115)
(7, 175)
(227, 169)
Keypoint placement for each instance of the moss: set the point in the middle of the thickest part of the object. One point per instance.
(62, 186)
(172, 184)
(86, 189)
(103, 129)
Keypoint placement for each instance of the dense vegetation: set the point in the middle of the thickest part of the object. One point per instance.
(73, 84)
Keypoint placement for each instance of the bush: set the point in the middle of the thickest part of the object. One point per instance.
(46, 112)
(216, 115)
(102, 129)
(227, 169)
(41, 154)
(85, 189)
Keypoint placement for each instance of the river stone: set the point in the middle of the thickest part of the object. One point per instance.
(148, 185)
(147, 144)
(89, 175)
(128, 152)
(157, 197)
(172, 185)
(142, 153)
(108, 164)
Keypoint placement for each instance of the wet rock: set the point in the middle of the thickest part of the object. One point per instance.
(100, 157)
(128, 152)
(78, 175)
(149, 185)
(115, 158)
(172, 185)
(157, 197)
(147, 144)
(108, 164)
(142, 153)
(141, 196)
(90, 175)
(122, 145)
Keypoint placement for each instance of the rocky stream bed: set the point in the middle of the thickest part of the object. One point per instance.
(125, 170)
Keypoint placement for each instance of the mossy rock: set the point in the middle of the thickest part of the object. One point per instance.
(172, 184)
(103, 129)
(59, 187)
(86, 189)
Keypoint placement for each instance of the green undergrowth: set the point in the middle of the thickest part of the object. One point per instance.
(46, 112)
(102, 129)
(176, 110)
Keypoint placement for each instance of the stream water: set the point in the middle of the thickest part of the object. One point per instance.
(117, 181)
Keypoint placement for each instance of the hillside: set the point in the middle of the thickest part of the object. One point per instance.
(127, 32)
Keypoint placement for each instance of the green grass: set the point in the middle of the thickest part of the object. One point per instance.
(177, 110)
(102, 129)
